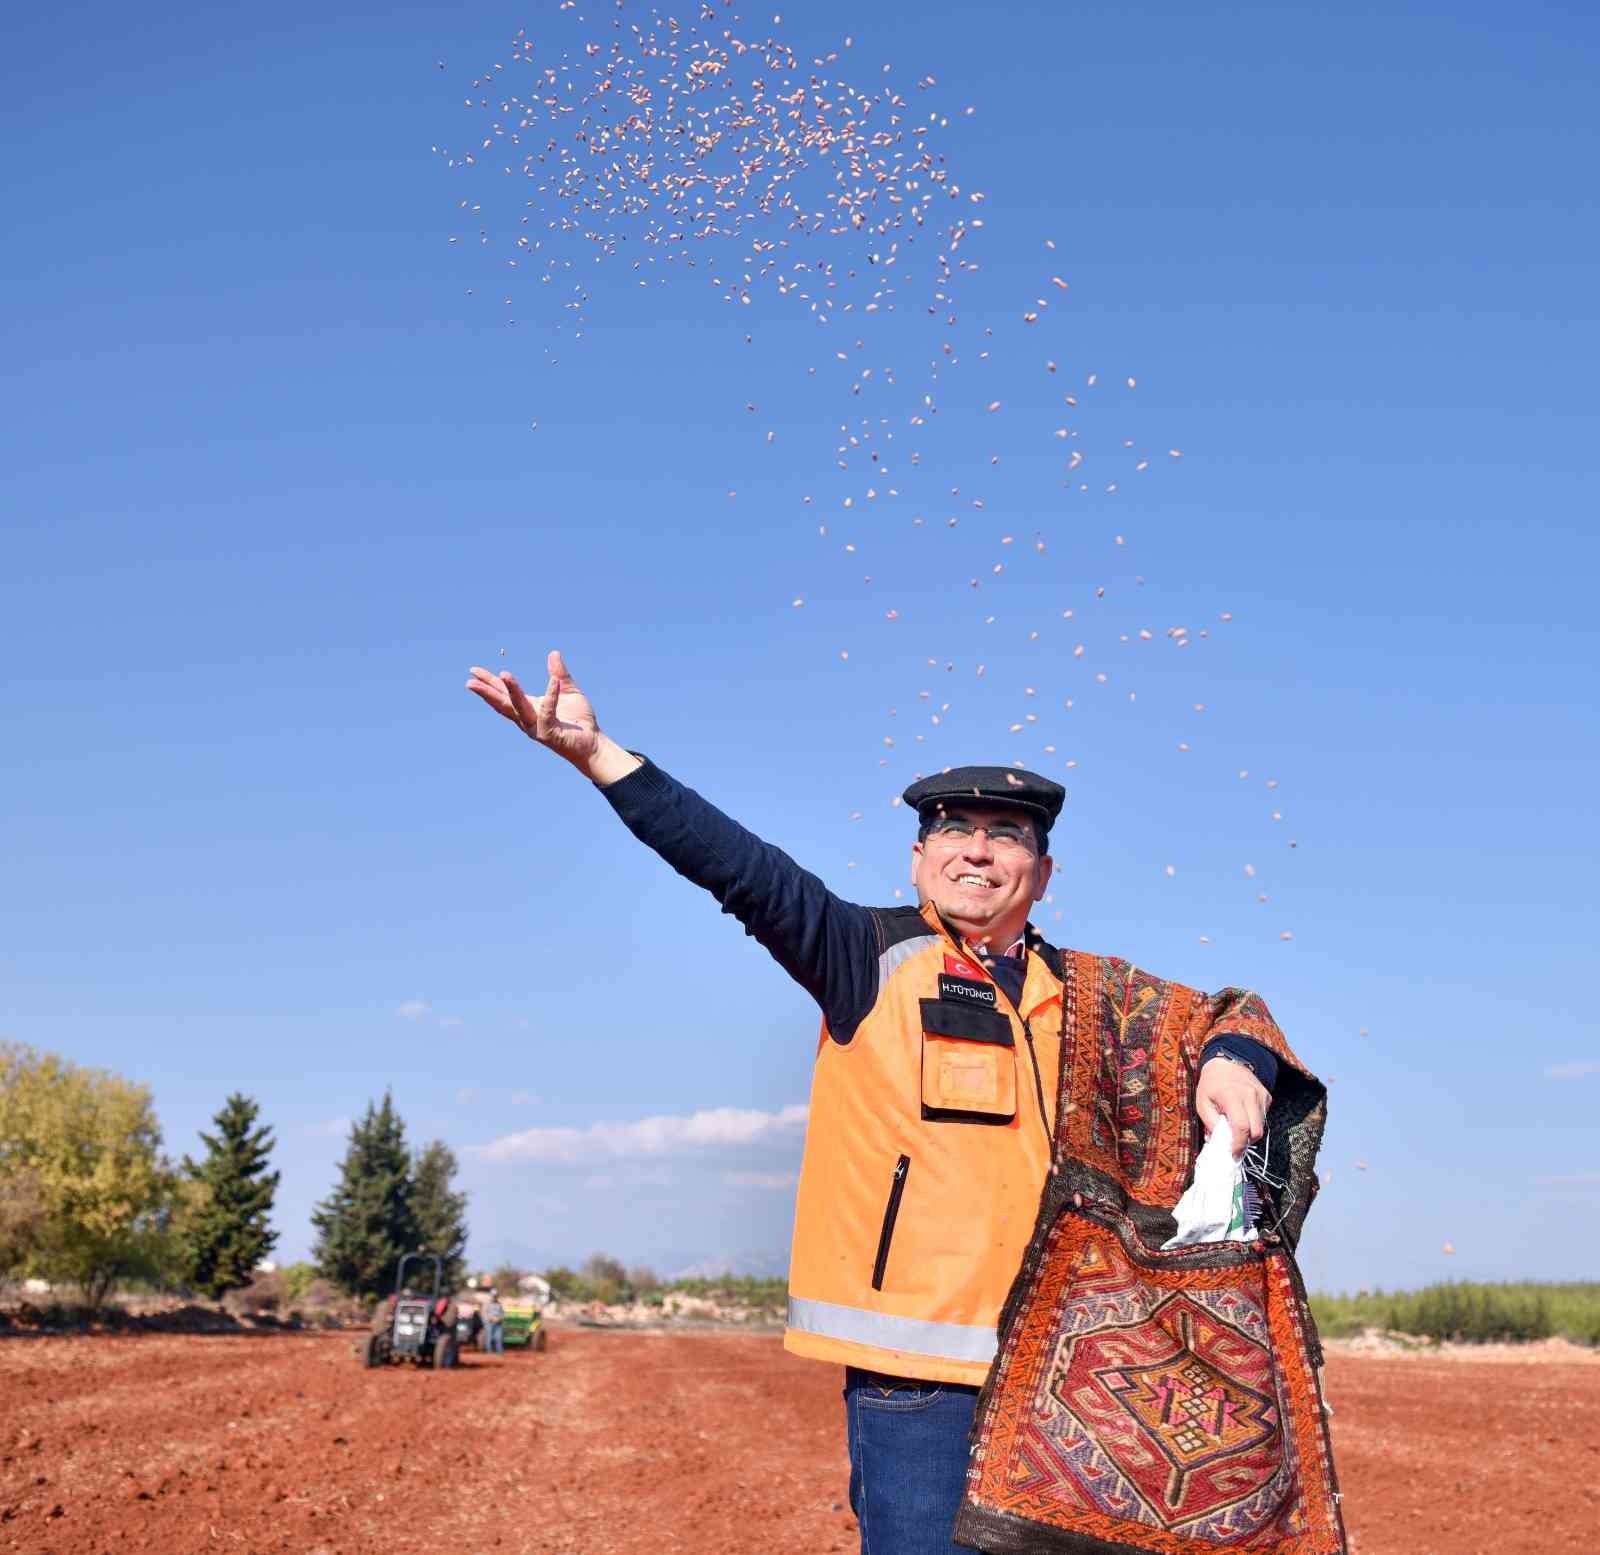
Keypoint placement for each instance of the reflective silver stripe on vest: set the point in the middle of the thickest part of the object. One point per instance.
(948, 1341)
(898, 955)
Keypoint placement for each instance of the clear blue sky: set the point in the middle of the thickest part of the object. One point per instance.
(273, 483)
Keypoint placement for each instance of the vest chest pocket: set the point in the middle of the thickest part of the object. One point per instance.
(969, 1064)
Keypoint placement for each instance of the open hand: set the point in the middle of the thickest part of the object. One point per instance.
(1230, 1090)
(561, 720)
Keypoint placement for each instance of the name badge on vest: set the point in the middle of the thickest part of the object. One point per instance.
(963, 990)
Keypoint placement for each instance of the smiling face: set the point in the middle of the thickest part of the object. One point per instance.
(983, 889)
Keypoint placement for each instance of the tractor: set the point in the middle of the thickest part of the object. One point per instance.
(419, 1328)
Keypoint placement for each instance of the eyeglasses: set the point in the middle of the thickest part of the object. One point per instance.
(1004, 835)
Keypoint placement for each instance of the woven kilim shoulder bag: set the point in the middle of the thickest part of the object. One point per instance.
(1146, 1402)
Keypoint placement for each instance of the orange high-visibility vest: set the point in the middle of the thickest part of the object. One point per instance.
(927, 1146)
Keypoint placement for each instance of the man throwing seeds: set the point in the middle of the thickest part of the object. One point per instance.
(933, 1122)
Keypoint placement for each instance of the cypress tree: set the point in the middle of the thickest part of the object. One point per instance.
(440, 1211)
(229, 1233)
(368, 1222)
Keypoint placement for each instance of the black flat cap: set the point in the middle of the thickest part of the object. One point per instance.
(1009, 786)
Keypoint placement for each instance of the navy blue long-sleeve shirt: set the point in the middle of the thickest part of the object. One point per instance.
(826, 944)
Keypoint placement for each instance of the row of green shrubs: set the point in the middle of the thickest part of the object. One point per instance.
(1472, 1312)
(607, 1280)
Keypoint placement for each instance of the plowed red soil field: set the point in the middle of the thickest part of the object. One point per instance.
(611, 1444)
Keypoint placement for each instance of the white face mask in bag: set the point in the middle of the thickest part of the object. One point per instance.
(1212, 1207)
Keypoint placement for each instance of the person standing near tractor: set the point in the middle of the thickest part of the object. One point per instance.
(933, 1105)
(383, 1313)
(443, 1324)
(494, 1324)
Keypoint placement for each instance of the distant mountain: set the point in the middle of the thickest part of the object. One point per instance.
(761, 1265)
(676, 1264)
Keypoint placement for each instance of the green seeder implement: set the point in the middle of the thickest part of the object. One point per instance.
(524, 1325)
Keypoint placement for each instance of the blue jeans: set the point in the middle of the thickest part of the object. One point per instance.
(908, 1460)
(494, 1338)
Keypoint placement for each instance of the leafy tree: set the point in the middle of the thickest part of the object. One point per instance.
(602, 1266)
(22, 1215)
(88, 1192)
(506, 1277)
(606, 1278)
(367, 1223)
(565, 1285)
(297, 1279)
(171, 1264)
(441, 1212)
(229, 1235)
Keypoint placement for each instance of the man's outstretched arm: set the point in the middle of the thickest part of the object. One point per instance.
(829, 946)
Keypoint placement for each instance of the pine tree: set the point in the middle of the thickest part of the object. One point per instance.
(441, 1213)
(228, 1234)
(367, 1223)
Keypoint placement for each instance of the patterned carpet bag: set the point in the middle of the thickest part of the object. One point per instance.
(1153, 1402)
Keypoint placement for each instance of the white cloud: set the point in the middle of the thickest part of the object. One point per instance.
(771, 1180)
(418, 1011)
(631, 1181)
(332, 1128)
(646, 1136)
(1573, 1071)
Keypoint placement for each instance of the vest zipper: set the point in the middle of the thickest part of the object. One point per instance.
(890, 1211)
(1038, 1084)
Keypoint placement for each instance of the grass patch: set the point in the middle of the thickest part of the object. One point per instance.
(1476, 1313)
